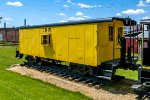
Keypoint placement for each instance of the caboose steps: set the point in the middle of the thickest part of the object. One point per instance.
(104, 77)
(144, 79)
(108, 69)
(106, 74)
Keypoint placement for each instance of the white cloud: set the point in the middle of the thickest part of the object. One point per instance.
(133, 12)
(66, 6)
(118, 14)
(99, 5)
(148, 1)
(78, 18)
(75, 18)
(61, 14)
(141, 4)
(81, 5)
(79, 14)
(17, 4)
(146, 17)
(72, 19)
(8, 18)
(70, 1)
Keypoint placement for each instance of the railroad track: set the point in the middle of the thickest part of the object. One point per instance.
(63, 72)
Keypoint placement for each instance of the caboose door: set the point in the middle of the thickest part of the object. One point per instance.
(105, 34)
(111, 42)
(117, 35)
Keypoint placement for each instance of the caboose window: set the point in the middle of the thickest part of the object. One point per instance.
(111, 33)
(45, 39)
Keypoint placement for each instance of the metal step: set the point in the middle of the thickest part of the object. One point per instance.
(145, 79)
(104, 77)
(108, 71)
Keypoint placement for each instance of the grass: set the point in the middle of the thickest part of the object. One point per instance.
(128, 74)
(14, 86)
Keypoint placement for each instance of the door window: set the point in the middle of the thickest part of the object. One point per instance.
(111, 29)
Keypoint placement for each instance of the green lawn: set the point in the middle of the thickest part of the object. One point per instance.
(17, 87)
(128, 73)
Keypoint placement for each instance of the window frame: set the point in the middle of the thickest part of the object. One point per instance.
(45, 39)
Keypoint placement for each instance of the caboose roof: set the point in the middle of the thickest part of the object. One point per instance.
(145, 21)
(126, 22)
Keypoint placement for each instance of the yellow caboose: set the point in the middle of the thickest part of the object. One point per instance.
(87, 43)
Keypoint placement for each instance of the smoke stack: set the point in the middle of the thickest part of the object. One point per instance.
(25, 22)
(4, 24)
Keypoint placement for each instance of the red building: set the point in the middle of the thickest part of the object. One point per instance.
(136, 44)
(9, 35)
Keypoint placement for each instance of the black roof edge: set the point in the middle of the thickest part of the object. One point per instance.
(126, 22)
(145, 21)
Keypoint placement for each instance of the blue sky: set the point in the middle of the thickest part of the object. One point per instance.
(52, 11)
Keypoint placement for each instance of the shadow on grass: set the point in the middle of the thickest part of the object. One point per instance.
(120, 87)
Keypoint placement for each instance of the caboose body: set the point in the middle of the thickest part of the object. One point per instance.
(89, 42)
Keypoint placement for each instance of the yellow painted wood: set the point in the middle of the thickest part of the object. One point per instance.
(90, 45)
(60, 35)
(105, 47)
(108, 50)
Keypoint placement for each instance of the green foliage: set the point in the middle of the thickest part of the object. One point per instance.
(14, 86)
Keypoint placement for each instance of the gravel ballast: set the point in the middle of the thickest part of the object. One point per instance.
(96, 94)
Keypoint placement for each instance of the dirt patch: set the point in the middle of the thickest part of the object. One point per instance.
(105, 93)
